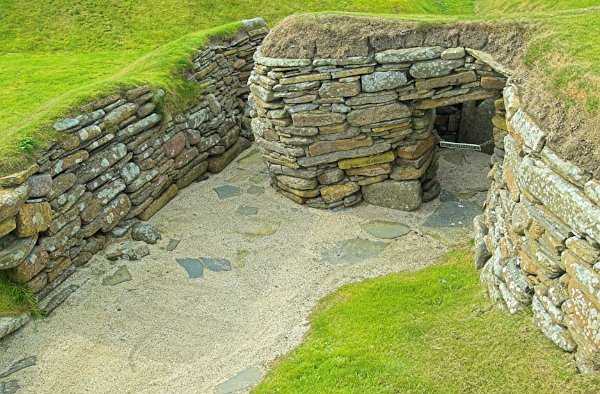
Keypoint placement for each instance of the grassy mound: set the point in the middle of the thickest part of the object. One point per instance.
(55, 54)
(15, 299)
(423, 332)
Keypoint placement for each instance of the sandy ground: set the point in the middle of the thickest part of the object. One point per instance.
(165, 332)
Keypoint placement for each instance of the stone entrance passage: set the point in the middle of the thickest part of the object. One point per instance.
(338, 131)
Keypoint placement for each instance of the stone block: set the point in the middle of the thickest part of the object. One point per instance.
(404, 196)
(339, 89)
(440, 82)
(376, 114)
(33, 219)
(324, 147)
(533, 136)
(217, 164)
(371, 170)
(34, 263)
(7, 226)
(11, 200)
(160, 202)
(336, 193)
(434, 68)
(408, 55)
(366, 161)
(18, 178)
(13, 250)
(417, 149)
(383, 80)
(317, 118)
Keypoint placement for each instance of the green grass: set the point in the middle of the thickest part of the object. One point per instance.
(56, 54)
(15, 299)
(423, 332)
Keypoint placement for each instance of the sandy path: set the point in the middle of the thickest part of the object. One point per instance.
(165, 332)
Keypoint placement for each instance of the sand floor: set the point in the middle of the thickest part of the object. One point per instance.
(163, 331)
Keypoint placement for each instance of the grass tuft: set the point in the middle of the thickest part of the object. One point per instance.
(423, 332)
(16, 299)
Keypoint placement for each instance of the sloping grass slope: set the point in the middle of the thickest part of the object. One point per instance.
(430, 331)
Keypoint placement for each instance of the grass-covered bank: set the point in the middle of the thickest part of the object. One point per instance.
(424, 332)
(15, 299)
(55, 54)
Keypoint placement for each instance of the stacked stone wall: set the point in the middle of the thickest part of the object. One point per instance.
(337, 131)
(122, 158)
(538, 241)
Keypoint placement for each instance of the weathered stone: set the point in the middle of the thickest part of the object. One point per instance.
(496, 83)
(405, 196)
(316, 118)
(299, 193)
(40, 185)
(370, 170)
(324, 147)
(30, 267)
(583, 323)
(416, 150)
(442, 102)
(145, 232)
(305, 78)
(568, 170)
(69, 162)
(175, 145)
(362, 117)
(66, 124)
(333, 175)
(192, 175)
(138, 127)
(383, 80)
(588, 278)
(339, 89)
(338, 192)
(558, 334)
(371, 98)
(130, 250)
(454, 79)
(13, 250)
(405, 173)
(160, 202)
(12, 199)
(583, 250)
(115, 212)
(119, 114)
(297, 183)
(453, 53)
(33, 219)
(530, 133)
(408, 55)
(366, 160)
(18, 178)
(350, 72)
(434, 68)
(7, 226)
(217, 164)
(100, 162)
(568, 201)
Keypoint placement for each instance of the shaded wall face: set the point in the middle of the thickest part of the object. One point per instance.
(337, 131)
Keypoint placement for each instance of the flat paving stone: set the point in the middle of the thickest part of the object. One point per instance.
(246, 210)
(119, 276)
(352, 251)
(172, 245)
(455, 157)
(19, 365)
(256, 190)
(10, 387)
(216, 264)
(260, 229)
(451, 222)
(251, 160)
(241, 382)
(227, 191)
(385, 230)
(193, 267)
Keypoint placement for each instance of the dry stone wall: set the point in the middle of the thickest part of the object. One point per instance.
(538, 240)
(337, 131)
(122, 158)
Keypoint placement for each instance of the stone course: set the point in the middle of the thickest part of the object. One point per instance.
(123, 157)
(341, 130)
